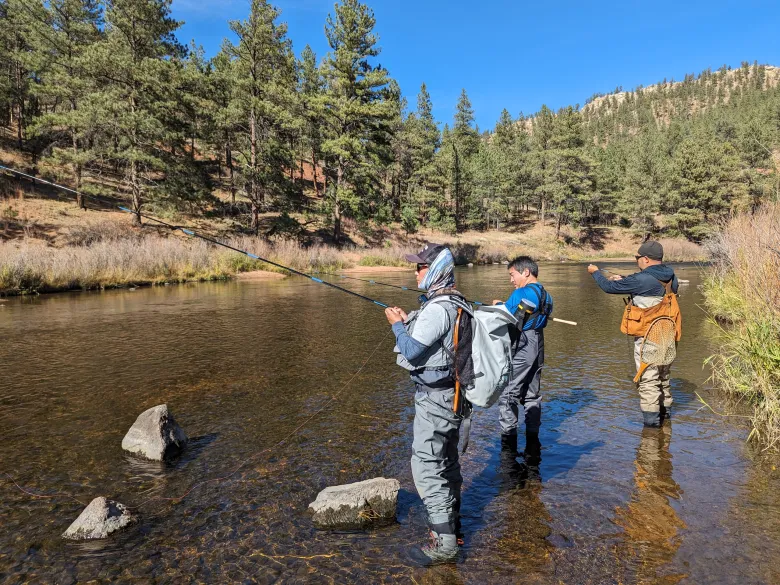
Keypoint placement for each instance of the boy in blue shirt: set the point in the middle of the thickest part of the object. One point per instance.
(532, 306)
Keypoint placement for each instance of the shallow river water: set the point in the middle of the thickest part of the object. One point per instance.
(242, 364)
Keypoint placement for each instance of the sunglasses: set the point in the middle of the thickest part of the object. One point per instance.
(638, 257)
(421, 267)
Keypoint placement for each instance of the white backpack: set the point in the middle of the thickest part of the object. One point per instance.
(491, 350)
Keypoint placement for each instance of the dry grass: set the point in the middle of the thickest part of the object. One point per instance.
(31, 267)
(743, 290)
(110, 255)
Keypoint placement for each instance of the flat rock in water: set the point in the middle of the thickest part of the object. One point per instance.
(155, 435)
(100, 519)
(356, 505)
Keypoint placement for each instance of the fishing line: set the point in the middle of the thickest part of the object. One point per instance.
(34, 178)
(406, 288)
(214, 241)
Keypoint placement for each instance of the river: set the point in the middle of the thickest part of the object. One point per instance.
(241, 364)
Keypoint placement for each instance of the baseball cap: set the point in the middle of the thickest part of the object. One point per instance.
(652, 249)
(427, 254)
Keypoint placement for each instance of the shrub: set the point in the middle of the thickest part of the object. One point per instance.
(743, 296)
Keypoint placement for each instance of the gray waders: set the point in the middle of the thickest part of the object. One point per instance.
(435, 464)
(524, 389)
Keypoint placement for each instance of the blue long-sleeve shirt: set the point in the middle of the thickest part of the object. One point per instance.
(532, 295)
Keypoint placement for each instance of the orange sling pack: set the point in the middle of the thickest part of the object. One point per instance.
(636, 320)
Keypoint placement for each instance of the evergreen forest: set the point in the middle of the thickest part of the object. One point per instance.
(104, 98)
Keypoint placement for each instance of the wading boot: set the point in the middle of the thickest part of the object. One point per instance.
(651, 419)
(443, 548)
(532, 454)
(509, 443)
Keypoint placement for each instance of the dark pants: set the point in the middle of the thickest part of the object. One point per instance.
(524, 387)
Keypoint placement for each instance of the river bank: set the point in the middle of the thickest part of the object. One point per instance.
(145, 260)
(742, 294)
(48, 246)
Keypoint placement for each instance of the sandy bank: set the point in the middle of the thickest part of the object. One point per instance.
(259, 275)
(364, 269)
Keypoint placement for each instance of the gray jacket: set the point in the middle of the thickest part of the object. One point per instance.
(425, 343)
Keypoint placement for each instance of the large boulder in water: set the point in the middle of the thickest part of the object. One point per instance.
(356, 505)
(155, 435)
(99, 520)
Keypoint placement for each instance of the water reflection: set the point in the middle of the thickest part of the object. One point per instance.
(651, 525)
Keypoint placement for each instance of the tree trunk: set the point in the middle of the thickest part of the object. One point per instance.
(229, 163)
(77, 170)
(456, 189)
(253, 161)
(255, 226)
(314, 171)
(136, 190)
(336, 206)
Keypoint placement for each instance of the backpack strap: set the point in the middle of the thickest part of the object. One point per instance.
(542, 306)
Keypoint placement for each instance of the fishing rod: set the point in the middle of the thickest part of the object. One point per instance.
(208, 239)
(250, 255)
(477, 303)
(34, 178)
(397, 286)
(253, 256)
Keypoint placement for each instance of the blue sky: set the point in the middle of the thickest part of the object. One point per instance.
(519, 55)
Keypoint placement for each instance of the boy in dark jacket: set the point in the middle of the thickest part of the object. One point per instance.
(646, 289)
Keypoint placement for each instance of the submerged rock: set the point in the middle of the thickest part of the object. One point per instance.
(99, 519)
(155, 435)
(356, 505)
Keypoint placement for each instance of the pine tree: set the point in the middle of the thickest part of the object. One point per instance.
(59, 33)
(400, 171)
(134, 97)
(263, 79)
(645, 181)
(464, 144)
(426, 181)
(542, 161)
(358, 116)
(705, 184)
(226, 117)
(310, 88)
(21, 108)
(569, 178)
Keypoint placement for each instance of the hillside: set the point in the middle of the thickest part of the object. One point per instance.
(627, 111)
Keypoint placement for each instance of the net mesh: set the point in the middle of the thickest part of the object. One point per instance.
(659, 347)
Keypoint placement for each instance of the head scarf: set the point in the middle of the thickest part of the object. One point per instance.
(441, 273)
